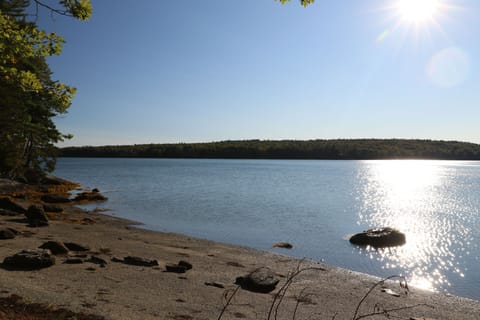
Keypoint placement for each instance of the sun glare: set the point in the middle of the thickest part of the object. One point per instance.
(417, 11)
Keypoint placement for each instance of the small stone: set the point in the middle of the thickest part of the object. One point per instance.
(74, 261)
(56, 247)
(215, 284)
(97, 260)
(284, 245)
(186, 264)
(76, 247)
(138, 261)
(173, 267)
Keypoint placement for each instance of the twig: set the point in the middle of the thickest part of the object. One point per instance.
(227, 303)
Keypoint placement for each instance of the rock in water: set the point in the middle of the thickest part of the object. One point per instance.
(90, 196)
(56, 247)
(284, 245)
(262, 280)
(36, 216)
(30, 260)
(379, 238)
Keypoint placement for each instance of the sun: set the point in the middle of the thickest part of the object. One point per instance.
(417, 11)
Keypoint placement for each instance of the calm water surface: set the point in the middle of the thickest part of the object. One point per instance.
(315, 205)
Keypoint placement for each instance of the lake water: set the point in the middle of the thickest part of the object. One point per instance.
(314, 205)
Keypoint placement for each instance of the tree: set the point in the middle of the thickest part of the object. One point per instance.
(302, 2)
(29, 98)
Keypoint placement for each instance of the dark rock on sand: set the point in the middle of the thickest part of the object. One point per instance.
(10, 205)
(90, 196)
(36, 216)
(74, 261)
(55, 198)
(284, 245)
(29, 260)
(262, 280)
(97, 260)
(138, 261)
(8, 213)
(181, 267)
(6, 234)
(52, 208)
(379, 238)
(56, 247)
(76, 247)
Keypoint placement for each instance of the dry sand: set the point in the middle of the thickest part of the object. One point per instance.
(120, 291)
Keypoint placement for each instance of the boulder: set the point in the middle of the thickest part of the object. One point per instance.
(379, 238)
(262, 280)
(30, 260)
(55, 198)
(36, 216)
(10, 205)
(56, 247)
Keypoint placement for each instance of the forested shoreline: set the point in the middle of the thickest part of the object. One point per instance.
(338, 149)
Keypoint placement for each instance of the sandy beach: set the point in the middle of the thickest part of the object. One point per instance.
(98, 281)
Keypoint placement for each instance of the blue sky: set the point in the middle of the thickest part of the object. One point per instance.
(151, 71)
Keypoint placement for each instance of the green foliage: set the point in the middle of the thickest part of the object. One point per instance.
(291, 149)
(302, 2)
(29, 98)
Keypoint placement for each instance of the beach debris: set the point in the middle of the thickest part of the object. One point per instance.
(52, 208)
(215, 284)
(379, 238)
(7, 233)
(283, 245)
(391, 292)
(262, 280)
(55, 198)
(181, 267)
(76, 247)
(90, 196)
(31, 259)
(10, 205)
(36, 216)
(56, 247)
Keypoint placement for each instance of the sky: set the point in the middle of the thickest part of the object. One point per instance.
(150, 71)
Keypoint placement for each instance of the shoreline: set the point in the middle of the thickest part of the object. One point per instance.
(121, 291)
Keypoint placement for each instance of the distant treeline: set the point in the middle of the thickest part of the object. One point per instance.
(290, 149)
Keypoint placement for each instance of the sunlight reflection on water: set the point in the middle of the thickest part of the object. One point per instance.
(412, 197)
